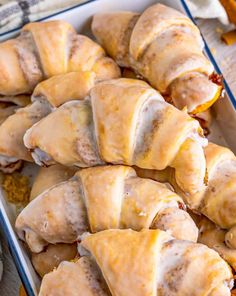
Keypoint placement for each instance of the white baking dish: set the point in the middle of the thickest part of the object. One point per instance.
(223, 131)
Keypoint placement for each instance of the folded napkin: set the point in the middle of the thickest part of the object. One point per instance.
(208, 9)
(14, 14)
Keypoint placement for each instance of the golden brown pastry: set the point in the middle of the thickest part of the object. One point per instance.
(146, 263)
(13, 129)
(8, 106)
(216, 200)
(47, 49)
(52, 256)
(166, 48)
(214, 237)
(123, 121)
(80, 277)
(102, 198)
(47, 177)
(47, 95)
(66, 87)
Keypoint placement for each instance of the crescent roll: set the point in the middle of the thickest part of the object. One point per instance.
(146, 263)
(47, 49)
(47, 95)
(102, 198)
(123, 121)
(166, 48)
(216, 200)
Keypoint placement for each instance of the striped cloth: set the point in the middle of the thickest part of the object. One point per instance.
(14, 14)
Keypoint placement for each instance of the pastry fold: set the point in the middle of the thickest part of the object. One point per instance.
(9, 105)
(47, 49)
(166, 48)
(146, 263)
(101, 198)
(47, 95)
(123, 121)
(217, 199)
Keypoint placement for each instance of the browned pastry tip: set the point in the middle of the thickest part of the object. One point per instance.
(52, 256)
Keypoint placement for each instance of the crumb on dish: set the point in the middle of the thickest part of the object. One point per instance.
(17, 188)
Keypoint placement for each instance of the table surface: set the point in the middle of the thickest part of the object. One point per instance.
(226, 59)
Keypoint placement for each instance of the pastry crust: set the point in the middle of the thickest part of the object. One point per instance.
(48, 94)
(124, 121)
(60, 89)
(101, 198)
(73, 278)
(151, 263)
(47, 49)
(50, 258)
(47, 177)
(164, 47)
(216, 199)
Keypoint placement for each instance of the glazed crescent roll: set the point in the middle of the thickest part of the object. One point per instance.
(165, 47)
(123, 121)
(47, 95)
(47, 49)
(102, 198)
(216, 200)
(146, 263)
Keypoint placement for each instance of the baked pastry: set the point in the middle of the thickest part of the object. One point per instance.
(8, 106)
(47, 49)
(146, 263)
(47, 95)
(48, 177)
(165, 47)
(52, 256)
(123, 121)
(216, 200)
(214, 237)
(102, 198)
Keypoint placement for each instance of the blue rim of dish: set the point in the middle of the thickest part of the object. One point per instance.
(210, 56)
(16, 257)
(11, 244)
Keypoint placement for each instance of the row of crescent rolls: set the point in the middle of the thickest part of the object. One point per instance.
(99, 198)
(165, 47)
(144, 260)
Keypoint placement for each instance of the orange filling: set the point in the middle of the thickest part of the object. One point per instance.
(205, 106)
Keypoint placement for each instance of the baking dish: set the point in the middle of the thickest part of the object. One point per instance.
(222, 131)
